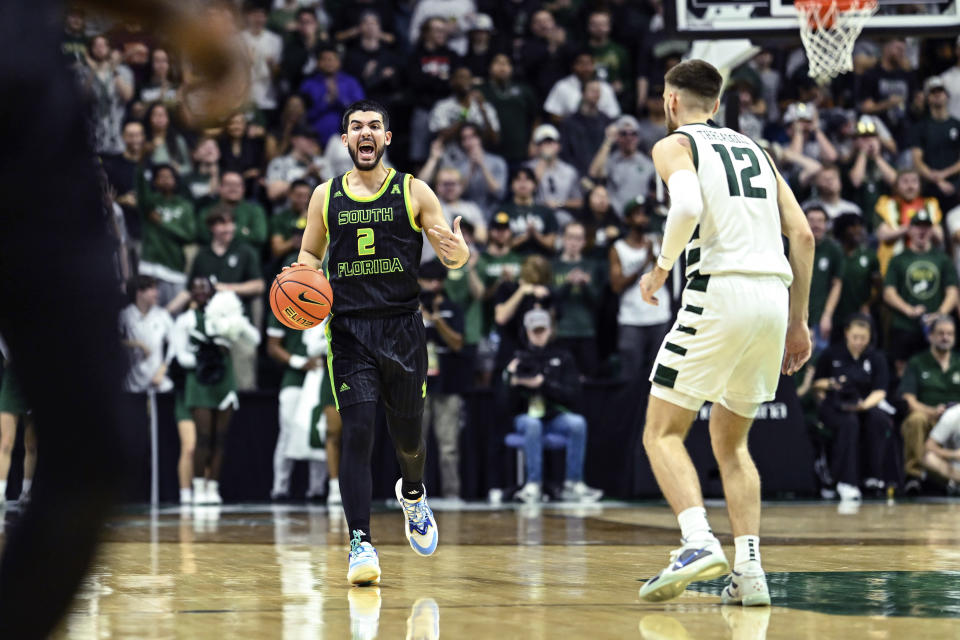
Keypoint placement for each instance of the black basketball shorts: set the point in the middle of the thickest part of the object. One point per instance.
(376, 357)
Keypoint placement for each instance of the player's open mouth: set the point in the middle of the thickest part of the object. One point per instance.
(366, 150)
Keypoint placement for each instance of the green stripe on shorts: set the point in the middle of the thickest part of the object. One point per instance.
(665, 376)
(694, 309)
(698, 282)
(675, 348)
(333, 387)
(685, 329)
(693, 256)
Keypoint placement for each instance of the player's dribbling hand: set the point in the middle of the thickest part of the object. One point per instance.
(797, 348)
(292, 265)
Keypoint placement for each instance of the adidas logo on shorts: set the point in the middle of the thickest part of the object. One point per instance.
(344, 387)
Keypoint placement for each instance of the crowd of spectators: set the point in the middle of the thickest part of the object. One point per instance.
(534, 122)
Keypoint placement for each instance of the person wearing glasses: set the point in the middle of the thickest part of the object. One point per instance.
(620, 162)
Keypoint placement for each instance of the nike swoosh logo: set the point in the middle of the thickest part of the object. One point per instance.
(303, 298)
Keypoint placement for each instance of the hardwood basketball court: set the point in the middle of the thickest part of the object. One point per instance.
(886, 570)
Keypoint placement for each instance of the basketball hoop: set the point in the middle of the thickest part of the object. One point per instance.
(828, 29)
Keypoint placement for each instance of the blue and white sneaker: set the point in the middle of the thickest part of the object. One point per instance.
(699, 560)
(420, 526)
(364, 562)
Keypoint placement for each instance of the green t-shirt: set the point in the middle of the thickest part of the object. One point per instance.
(612, 63)
(457, 288)
(286, 223)
(251, 224)
(828, 261)
(860, 268)
(516, 108)
(919, 278)
(939, 140)
(292, 341)
(163, 242)
(491, 270)
(932, 385)
(239, 263)
(577, 303)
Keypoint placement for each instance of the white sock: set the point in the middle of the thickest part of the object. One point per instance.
(3, 489)
(186, 495)
(694, 525)
(27, 483)
(198, 486)
(213, 485)
(747, 552)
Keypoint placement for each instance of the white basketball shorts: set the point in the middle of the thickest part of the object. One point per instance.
(726, 345)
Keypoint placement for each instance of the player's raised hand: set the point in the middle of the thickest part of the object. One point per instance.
(797, 348)
(452, 247)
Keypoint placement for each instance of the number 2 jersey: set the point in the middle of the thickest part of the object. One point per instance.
(374, 248)
(739, 231)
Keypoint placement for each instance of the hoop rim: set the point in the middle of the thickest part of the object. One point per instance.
(840, 5)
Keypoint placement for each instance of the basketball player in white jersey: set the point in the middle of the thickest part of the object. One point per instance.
(743, 320)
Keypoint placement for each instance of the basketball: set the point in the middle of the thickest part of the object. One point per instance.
(301, 297)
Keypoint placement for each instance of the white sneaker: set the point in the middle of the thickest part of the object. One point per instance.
(695, 560)
(333, 494)
(848, 492)
(199, 491)
(364, 612)
(580, 492)
(364, 566)
(213, 492)
(186, 496)
(748, 588)
(529, 493)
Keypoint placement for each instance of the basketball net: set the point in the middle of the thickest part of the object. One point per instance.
(829, 29)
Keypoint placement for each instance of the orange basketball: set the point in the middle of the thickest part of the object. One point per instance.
(301, 297)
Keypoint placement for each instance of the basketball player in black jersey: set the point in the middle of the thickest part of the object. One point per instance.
(372, 219)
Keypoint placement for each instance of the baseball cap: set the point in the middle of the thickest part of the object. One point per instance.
(922, 216)
(480, 22)
(536, 319)
(501, 220)
(545, 132)
(628, 122)
(638, 202)
(933, 83)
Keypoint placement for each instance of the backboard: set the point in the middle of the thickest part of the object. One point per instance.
(765, 18)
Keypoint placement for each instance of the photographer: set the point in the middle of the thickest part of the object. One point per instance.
(544, 382)
(854, 376)
(449, 370)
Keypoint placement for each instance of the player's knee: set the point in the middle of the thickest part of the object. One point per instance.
(576, 423)
(529, 426)
(6, 446)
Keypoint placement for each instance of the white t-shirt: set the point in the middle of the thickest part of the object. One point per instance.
(946, 433)
(951, 80)
(739, 229)
(264, 49)
(454, 12)
(565, 95)
(633, 310)
(628, 177)
(153, 329)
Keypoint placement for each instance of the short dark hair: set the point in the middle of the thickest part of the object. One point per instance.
(859, 320)
(157, 168)
(139, 283)
(364, 105)
(527, 171)
(308, 11)
(219, 213)
(299, 183)
(698, 77)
